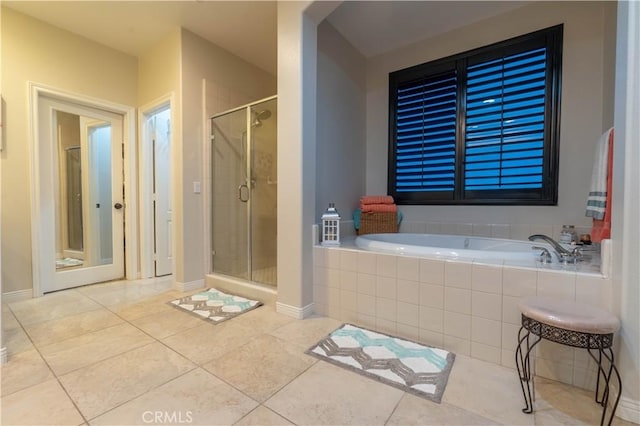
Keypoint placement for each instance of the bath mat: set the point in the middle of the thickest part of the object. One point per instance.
(214, 305)
(409, 366)
(68, 262)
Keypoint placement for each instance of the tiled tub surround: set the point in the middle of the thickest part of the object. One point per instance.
(465, 306)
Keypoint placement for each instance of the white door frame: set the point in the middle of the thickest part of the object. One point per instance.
(147, 269)
(40, 213)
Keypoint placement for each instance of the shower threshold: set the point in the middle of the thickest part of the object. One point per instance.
(252, 290)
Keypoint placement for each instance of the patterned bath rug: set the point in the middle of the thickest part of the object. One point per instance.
(409, 366)
(68, 262)
(215, 305)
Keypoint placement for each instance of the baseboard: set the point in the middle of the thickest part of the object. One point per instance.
(3, 355)
(293, 311)
(629, 410)
(17, 296)
(188, 286)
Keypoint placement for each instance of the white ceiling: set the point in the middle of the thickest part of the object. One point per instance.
(249, 28)
(376, 27)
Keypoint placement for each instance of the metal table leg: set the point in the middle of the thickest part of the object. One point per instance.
(523, 364)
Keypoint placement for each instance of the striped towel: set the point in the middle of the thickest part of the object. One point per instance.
(597, 200)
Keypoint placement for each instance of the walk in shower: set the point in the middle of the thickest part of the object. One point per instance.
(244, 192)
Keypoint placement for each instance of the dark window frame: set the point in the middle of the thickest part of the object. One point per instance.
(551, 39)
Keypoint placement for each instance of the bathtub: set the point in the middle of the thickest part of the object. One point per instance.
(443, 294)
(451, 246)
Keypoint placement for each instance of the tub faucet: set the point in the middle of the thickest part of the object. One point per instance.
(564, 255)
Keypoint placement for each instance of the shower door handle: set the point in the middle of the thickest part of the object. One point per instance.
(243, 193)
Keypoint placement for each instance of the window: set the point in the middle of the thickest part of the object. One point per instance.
(481, 127)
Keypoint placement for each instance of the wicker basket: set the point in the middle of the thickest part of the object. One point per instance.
(378, 223)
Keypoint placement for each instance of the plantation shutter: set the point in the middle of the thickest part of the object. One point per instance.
(505, 122)
(479, 127)
(425, 149)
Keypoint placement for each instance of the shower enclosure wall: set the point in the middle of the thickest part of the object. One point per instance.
(244, 192)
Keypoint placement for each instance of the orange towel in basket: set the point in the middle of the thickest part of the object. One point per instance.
(376, 199)
(379, 208)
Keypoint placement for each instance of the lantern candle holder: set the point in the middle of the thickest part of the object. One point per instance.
(330, 227)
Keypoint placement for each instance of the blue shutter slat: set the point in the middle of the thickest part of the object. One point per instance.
(505, 121)
(426, 134)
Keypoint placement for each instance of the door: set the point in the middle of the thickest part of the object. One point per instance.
(264, 191)
(244, 192)
(96, 251)
(230, 194)
(160, 126)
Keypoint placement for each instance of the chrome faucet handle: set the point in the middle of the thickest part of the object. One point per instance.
(545, 255)
(574, 256)
(577, 253)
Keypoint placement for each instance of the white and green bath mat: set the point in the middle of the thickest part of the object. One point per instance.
(214, 305)
(406, 365)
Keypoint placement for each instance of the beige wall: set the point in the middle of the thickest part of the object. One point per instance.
(230, 82)
(35, 51)
(341, 139)
(609, 62)
(297, 58)
(586, 106)
(159, 69)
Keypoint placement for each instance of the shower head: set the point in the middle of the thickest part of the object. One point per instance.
(261, 115)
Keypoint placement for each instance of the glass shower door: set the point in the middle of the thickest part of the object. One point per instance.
(264, 187)
(230, 195)
(244, 192)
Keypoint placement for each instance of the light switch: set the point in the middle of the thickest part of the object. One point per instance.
(196, 187)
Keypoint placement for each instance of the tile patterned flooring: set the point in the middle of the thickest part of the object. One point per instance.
(117, 354)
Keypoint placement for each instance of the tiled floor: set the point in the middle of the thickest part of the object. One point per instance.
(117, 354)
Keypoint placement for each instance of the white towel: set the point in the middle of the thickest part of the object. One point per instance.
(597, 200)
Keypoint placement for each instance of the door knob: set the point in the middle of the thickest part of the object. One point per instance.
(117, 206)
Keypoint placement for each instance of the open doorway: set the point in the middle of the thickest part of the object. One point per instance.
(157, 221)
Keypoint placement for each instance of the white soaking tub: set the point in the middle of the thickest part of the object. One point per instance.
(452, 246)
